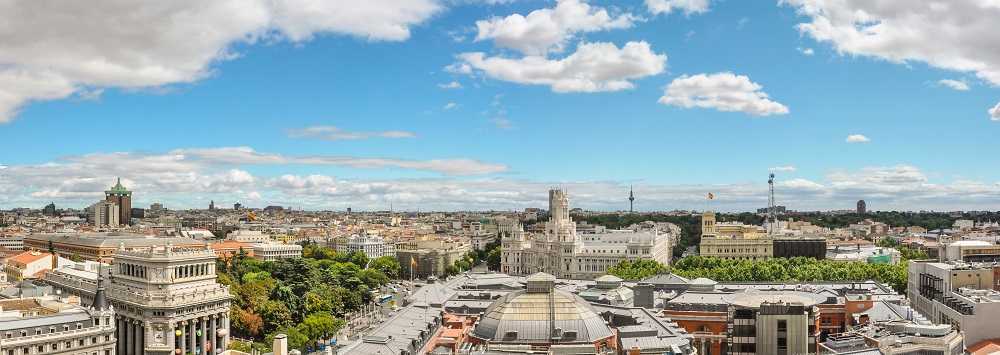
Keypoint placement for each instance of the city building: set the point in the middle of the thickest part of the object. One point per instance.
(167, 299)
(50, 209)
(248, 236)
(121, 197)
(562, 251)
(862, 207)
(105, 214)
(895, 338)
(276, 251)
(733, 240)
(101, 246)
(968, 251)
(31, 265)
(372, 245)
(790, 247)
(542, 318)
(227, 249)
(11, 244)
(959, 294)
(48, 326)
(423, 258)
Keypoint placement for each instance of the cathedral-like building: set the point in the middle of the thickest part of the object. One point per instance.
(561, 251)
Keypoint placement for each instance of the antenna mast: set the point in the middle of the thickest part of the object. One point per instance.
(771, 217)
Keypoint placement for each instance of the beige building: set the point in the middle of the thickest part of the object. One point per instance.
(429, 256)
(47, 326)
(959, 294)
(733, 240)
(105, 214)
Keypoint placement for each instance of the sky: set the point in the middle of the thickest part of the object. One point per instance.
(486, 104)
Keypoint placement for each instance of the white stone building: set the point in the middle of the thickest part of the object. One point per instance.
(276, 251)
(560, 250)
(48, 326)
(104, 214)
(248, 236)
(166, 300)
(372, 245)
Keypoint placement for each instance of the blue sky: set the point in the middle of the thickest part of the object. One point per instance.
(324, 111)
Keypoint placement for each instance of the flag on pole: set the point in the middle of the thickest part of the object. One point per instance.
(711, 196)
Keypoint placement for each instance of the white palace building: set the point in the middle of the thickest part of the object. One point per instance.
(561, 251)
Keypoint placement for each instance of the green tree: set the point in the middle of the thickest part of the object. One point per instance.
(387, 265)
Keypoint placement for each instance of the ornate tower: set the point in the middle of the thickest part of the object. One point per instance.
(122, 197)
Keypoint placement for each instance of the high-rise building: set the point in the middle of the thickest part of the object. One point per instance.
(862, 207)
(237, 206)
(211, 205)
(166, 300)
(50, 209)
(105, 214)
(121, 197)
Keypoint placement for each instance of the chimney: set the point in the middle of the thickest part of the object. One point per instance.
(280, 345)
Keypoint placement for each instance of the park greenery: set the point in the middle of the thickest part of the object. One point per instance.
(799, 269)
(305, 298)
(637, 270)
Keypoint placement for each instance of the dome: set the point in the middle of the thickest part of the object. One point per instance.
(554, 316)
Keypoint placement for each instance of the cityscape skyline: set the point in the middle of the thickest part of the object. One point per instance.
(493, 102)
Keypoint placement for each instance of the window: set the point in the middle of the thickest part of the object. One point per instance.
(782, 326)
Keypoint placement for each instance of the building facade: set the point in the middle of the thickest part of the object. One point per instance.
(372, 245)
(102, 246)
(167, 300)
(733, 240)
(47, 326)
(105, 214)
(121, 197)
(276, 251)
(562, 251)
(958, 294)
(429, 257)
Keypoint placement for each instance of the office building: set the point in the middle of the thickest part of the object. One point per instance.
(105, 214)
(121, 197)
(423, 258)
(562, 251)
(862, 207)
(167, 299)
(276, 251)
(50, 209)
(790, 247)
(959, 294)
(48, 326)
(968, 251)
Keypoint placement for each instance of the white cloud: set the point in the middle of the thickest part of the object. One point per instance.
(449, 106)
(594, 67)
(806, 51)
(959, 85)
(687, 6)
(721, 91)
(786, 168)
(958, 35)
(451, 85)
(502, 123)
(995, 112)
(332, 133)
(181, 180)
(549, 29)
(857, 138)
(50, 50)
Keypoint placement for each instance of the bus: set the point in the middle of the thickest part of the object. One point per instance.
(384, 298)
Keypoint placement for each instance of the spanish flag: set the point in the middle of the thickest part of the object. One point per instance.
(413, 262)
(711, 196)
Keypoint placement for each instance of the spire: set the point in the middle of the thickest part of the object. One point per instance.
(100, 300)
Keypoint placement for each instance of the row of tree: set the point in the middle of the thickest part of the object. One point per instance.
(305, 298)
(798, 269)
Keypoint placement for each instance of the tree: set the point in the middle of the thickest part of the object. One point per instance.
(637, 270)
(372, 278)
(387, 265)
(493, 259)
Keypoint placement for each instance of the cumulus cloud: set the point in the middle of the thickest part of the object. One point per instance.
(449, 106)
(548, 29)
(806, 51)
(593, 67)
(959, 85)
(451, 85)
(721, 91)
(332, 133)
(857, 138)
(667, 6)
(958, 35)
(995, 112)
(51, 50)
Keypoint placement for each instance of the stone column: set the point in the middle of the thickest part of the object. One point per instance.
(183, 328)
(171, 337)
(204, 335)
(225, 325)
(128, 334)
(212, 333)
(191, 335)
(119, 335)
